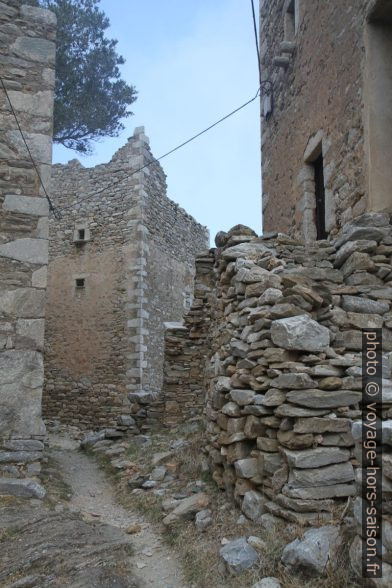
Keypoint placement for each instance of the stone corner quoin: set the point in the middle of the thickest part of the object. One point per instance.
(27, 70)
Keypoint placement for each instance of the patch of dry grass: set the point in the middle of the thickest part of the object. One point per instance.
(57, 489)
(199, 552)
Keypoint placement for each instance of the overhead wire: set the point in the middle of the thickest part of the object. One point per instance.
(262, 83)
(51, 205)
(257, 42)
(156, 160)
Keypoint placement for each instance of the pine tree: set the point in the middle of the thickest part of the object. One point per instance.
(90, 96)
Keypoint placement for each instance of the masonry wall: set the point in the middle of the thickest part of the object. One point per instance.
(104, 341)
(186, 349)
(318, 90)
(173, 241)
(27, 69)
(87, 335)
(282, 378)
(284, 392)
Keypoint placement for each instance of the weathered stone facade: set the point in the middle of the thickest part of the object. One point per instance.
(121, 264)
(27, 69)
(330, 68)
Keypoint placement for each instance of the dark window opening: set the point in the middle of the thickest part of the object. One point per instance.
(80, 282)
(318, 165)
(290, 22)
(81, 234)
(291, 8)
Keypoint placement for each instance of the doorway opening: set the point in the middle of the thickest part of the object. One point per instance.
(319, 189)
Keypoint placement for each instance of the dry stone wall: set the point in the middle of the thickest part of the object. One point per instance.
(27, 49)
(282, 370)
(286, 350)
(356, 555)
(104, 349)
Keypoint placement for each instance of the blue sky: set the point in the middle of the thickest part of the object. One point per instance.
(192, 62)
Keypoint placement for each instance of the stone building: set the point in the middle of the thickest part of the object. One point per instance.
(27, 51)
(121, 264)
(327, 125)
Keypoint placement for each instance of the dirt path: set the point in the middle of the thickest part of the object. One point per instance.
(93, 496)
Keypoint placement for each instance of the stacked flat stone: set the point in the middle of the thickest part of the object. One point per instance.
(356, 547)
(285, 373)
(27, 70)
(186, 349)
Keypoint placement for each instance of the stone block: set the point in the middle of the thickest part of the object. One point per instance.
(33, 329)
(26, 250)
(187, 508)
(242, 397)
(350, 247)
(253, 427)
(38, 15)
(270, 296)
(253, 250)
(19, 456)
(247, 468)
(320, 492)
(322, 425)
(238, 556)
(269, 582)
(357, 262)
(35, 49)
(253, 505)
(40, 145)
(358, 304)
(356, 233)
(324, 398)
(40, 277)
(26, 205)
(330, 475)
(312, 553)
(21, 488)
(293, 381)
(316, 457)
(300, 333)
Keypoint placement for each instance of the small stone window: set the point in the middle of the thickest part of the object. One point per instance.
(80, 283)
(81, 233)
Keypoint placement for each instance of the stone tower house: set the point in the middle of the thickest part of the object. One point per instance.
(327, 128)
(121, 264)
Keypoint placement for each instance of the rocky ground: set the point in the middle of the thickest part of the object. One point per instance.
(144, 511)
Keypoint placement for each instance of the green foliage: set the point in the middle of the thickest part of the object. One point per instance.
(90, 96)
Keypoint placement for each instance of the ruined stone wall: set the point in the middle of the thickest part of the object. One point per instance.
(186, 350)
(104, 341)
(27, 51)
(173, 239)
(318, 87)
(282, 378)
(284, 393)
